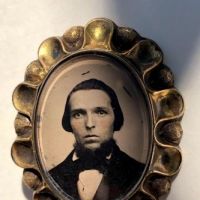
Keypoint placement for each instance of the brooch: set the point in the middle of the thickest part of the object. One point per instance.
(98, 117)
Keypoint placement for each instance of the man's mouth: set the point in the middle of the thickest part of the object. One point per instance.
(91, 139)
(91, 136)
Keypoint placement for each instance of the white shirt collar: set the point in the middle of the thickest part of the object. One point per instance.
(75, 157)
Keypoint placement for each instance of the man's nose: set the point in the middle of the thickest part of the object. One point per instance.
(90, 123)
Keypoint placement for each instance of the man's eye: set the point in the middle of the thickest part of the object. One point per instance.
(77, 115)
(101, 112)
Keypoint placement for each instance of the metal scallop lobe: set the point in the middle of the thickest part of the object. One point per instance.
(157, 184)
(73, 38)
(22, 154)
(146, 54)
(98, 34)
(32, 178)
(23, 126)
(35, 73)
(160, 78)
(124, 38)
(168, 104)
(24, 98)
(167, 160)
(50, 51)
(169, 132)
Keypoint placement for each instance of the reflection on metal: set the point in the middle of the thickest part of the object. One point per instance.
(167, 104)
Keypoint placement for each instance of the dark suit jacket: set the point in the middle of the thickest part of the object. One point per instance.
(122, 174)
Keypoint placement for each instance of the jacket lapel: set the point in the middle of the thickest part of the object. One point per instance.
(103, 190)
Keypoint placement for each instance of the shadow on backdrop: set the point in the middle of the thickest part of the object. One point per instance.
(173, 25)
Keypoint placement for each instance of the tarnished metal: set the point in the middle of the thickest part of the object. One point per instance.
(167, 103)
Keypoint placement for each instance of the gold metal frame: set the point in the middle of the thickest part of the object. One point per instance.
(167, 104)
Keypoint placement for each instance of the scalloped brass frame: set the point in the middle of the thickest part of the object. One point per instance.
(167, 104)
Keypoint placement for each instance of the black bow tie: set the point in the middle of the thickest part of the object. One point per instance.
(82, 164)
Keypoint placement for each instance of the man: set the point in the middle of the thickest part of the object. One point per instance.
(96, 169)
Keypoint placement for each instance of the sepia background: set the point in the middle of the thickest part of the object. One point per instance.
(174, 25)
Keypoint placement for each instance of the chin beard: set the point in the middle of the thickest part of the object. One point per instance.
(100, 153)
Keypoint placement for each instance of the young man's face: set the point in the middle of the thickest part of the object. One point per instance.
(91, 117)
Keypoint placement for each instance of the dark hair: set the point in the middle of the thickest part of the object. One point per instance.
(99, 85)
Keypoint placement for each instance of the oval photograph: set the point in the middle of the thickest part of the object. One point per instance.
(92, 128)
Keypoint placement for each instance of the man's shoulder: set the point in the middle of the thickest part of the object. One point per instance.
(127, 159)
(125, 162)
(65, 176)
(124, 171)
(62, 167)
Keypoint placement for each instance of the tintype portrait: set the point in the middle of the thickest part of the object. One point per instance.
(93, 113)
(97, 140)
